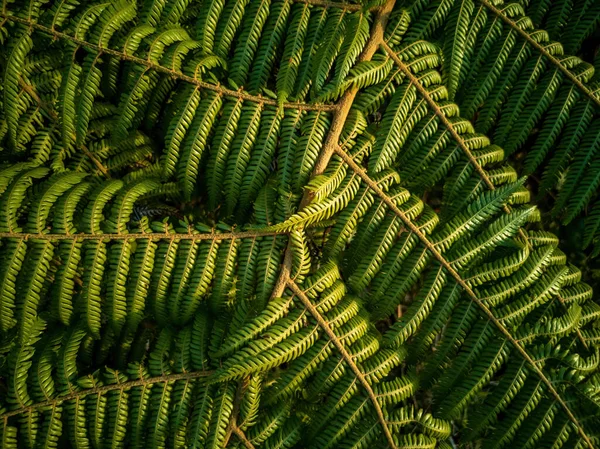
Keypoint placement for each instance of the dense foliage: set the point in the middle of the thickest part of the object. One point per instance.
(298, 224)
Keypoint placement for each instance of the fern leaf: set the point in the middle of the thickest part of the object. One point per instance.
(207, 24)
(223, 407)
(178, 127)
(330, 44)
(228, 24)
(312, 133)
(269, 46)
(196, 141)
(261, 158)
(252, 26)
(385, 147)
(355, 37)
(21, 46)
(292, 52)
(220, 148)
(14, 195)
(67, 108)
(314, 32)
(454, 48)
(90, 87)
(239, 158)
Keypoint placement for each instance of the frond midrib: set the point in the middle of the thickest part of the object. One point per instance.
(106, 388)
(143, 235)
(338, 5)
(346, 356)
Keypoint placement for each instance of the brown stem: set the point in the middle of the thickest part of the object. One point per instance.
(236, 409)
(149, 236)
(345, 103)
(332, 140)
(31, 91)
(442, 117)
(336, 5)
(238, 433)
(96, 162)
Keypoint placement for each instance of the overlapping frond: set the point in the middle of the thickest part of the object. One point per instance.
(523, 82)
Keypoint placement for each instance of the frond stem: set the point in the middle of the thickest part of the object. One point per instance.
(31, 91)
(242, 436)
(106, 388)
(173, 73)
(345, 103)
(346, 356)
(337, 5)
(236, 409)
(148, 236)
(442, 260)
